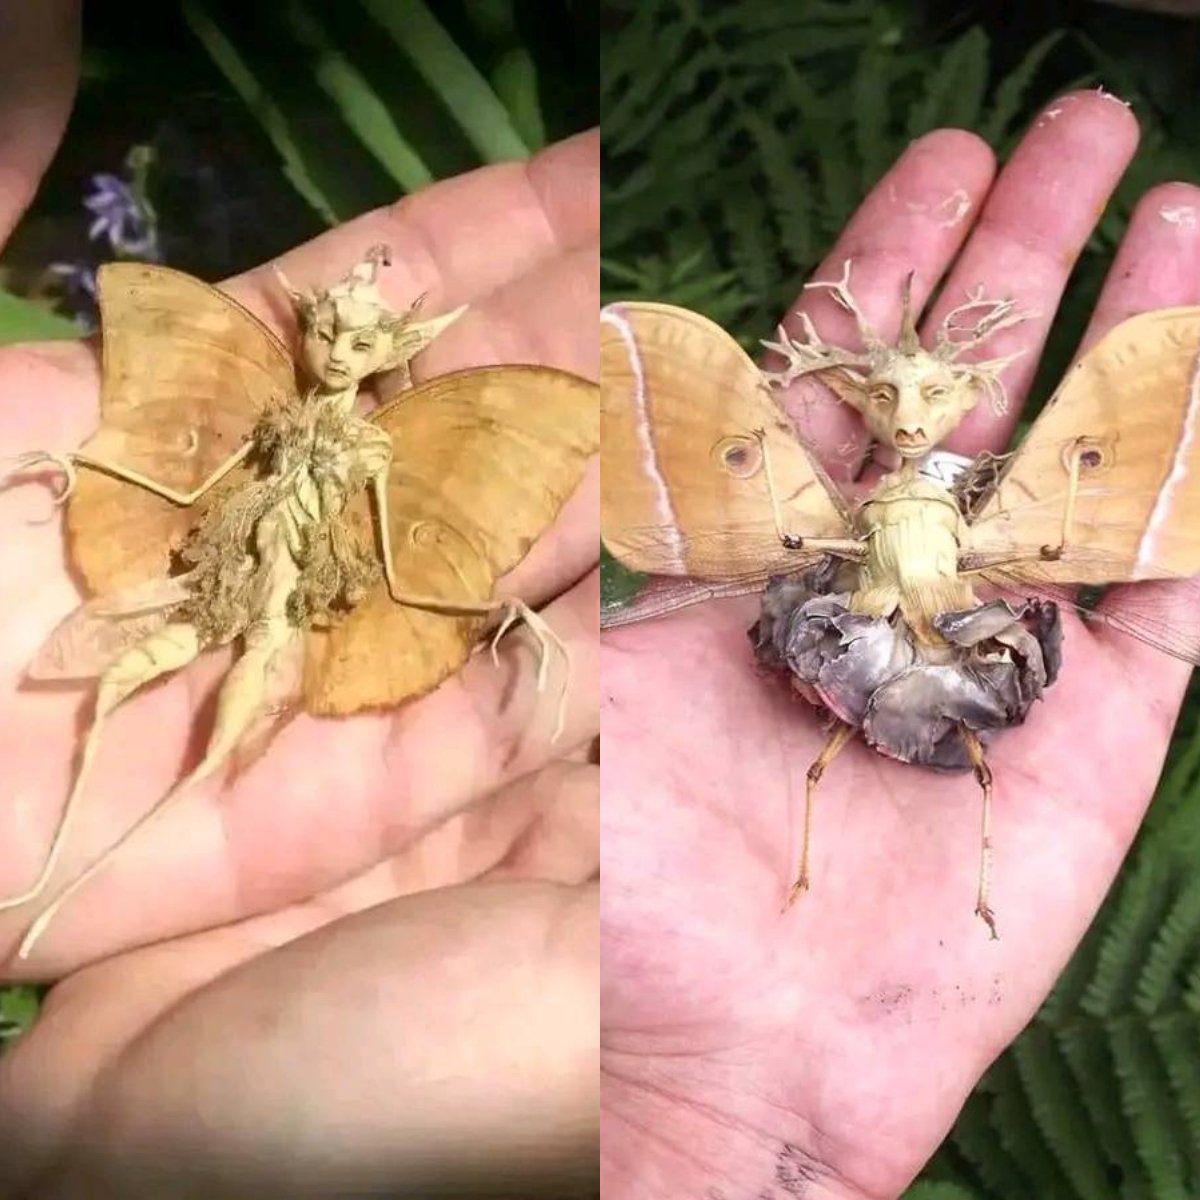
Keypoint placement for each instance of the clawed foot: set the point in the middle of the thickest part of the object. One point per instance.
(518, 610)
(22, 462)
(798, 890)
(988, 917)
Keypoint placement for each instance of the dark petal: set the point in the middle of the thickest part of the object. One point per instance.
(911, 715)
(969, 627)
(782, 597)
(1043, 621)
(869, 655)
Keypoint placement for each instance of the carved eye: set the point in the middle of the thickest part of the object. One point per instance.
(1095, 453)
(740, 457)
(325, 335)
(936, 391)
(880, 394)
(362, 345)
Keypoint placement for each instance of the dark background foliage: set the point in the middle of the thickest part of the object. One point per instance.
(738, 138)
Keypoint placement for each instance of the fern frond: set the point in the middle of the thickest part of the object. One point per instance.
(1063, 1124)
(1140, 908)
(1084, 1045)
(1143, 1089)
(1177, 1038)
(974, 1138)
(1160, 976)
(1018, 1132)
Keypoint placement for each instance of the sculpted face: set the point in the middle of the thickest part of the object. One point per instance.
(344, 342)
(914, 401)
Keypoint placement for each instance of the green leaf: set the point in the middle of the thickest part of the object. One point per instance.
(1012, 90)
(268, 114)
(365, 114)
(19, 1006)
(516, 83)
(618, 585)
(929, 1190)
(453, 77)
(23, 321)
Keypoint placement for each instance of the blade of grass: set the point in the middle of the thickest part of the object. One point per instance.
(268, 114)
(23, 321)
(364, 113)
(453, 77)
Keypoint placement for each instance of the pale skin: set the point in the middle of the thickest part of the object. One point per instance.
(835, 1043)
(467, 831)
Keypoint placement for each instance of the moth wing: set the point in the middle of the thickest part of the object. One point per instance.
(686, 417)
(1133, 403)
(87, 641)
(663, 594)
(1144, 613)
(185, 373)
(483, 461)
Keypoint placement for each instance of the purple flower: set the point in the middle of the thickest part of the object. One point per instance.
(78, 279)
(122, 217)
(79, 291)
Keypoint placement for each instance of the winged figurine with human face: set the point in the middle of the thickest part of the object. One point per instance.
(350, 553)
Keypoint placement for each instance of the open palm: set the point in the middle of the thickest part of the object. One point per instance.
(339, 815)
(825, 1050)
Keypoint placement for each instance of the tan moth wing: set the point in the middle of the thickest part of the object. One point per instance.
(89, 639)
(483, 461)
(1132, 405)
(186, 371)
(686, 418)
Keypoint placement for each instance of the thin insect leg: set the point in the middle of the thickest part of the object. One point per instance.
(983, 773)
(512, 610)
(843, 547)
(69, 462)
(167, 649)
(1052, 553)
(838, 739)
(238, 705)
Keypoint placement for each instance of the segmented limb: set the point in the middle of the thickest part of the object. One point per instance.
(842, 547)
(1053, 553)
(238, 705)
(983, 773)
(165, 650)
(838, 739)
(69, 462)
(512, 609)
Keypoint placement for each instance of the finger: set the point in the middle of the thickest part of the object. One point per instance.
(457, 240)
(1157, 266)
(1033, 226)
(479, 1003)
(330, 800)
(39, 72)
(541, 316)
(915, 219)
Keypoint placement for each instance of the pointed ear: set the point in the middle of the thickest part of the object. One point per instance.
(409, 338)
(973, 386)
(849, 386)
(302, 304)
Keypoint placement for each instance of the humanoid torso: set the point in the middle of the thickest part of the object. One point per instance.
(913, 532)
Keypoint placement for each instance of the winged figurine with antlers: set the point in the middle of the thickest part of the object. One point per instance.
(925, 616)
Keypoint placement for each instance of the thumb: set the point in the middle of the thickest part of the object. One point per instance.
(39, 74)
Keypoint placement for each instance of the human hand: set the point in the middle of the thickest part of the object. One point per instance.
(429, 1030)
(825, 1051)
(337, 815)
